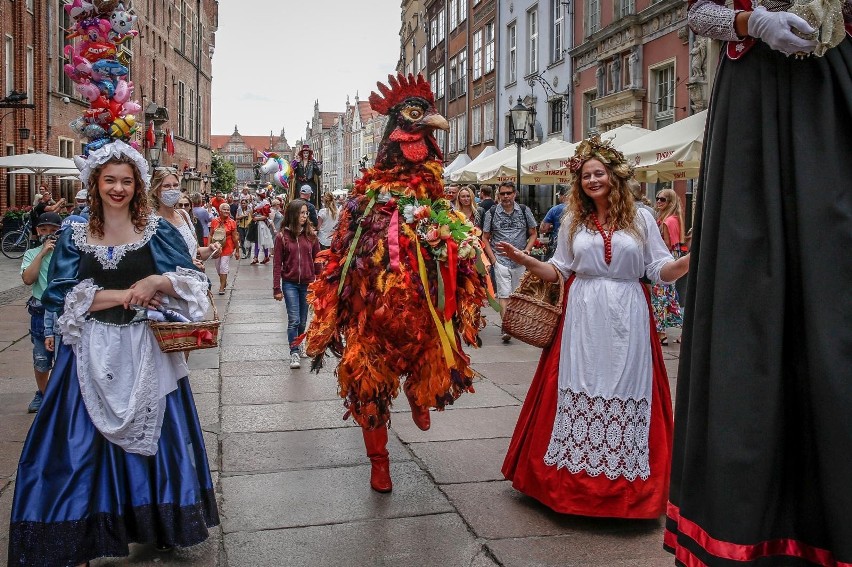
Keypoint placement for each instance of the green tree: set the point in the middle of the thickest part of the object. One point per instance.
(225, 174)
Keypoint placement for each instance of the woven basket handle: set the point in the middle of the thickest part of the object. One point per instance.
(213, 303)
(561, 287)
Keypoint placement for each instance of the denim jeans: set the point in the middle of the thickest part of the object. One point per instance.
(296, 297)
(42, 358)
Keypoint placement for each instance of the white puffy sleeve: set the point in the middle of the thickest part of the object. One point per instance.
(656, 253)
(78, 301)
(191, 288)
(563, 258)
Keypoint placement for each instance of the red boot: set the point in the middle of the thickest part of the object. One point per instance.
(419, 414)
(376, 441)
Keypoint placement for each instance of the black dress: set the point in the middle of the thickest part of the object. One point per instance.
(762, 463)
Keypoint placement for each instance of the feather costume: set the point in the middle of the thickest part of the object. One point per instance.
(403, 285)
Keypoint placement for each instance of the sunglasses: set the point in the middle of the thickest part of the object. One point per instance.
(183, 205)
(662, 200)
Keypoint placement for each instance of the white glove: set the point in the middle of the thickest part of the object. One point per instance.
(775, 29)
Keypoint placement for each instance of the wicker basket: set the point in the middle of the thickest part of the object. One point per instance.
(533, 310)
(174, 337)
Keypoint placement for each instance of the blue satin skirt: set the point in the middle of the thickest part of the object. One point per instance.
(79, 497)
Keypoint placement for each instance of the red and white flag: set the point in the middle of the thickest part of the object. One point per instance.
(150, 136)
(170, 142)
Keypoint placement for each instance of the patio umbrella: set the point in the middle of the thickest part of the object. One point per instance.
(624, 134)
(461, 174)
(670, 153)
(50, 172)
(461, 160)
(36, 163)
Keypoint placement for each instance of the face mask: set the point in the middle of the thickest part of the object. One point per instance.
(170, 198)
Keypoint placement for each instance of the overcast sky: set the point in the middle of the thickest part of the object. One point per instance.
(273, 58)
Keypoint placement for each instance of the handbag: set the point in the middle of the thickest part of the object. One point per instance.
(533, 310)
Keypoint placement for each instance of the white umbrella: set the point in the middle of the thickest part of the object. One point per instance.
(36, 162)
(461, 160)
(546, 164)
(624, 134)
(461, 174)
(670, 153)
(486, 170)
(49, 172)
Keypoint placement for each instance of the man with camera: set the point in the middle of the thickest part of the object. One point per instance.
(34, 272)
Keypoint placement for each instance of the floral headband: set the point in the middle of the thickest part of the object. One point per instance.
(602, 150)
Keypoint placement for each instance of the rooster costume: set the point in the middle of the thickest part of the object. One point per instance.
(402, 286)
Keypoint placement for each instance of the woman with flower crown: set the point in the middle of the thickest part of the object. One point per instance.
(594, 434)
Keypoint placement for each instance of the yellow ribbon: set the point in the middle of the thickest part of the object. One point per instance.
(443, 329)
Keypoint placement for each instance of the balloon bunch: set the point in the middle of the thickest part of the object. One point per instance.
(99, 70)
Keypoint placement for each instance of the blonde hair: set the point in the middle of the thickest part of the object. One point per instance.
(330, 204)
(157, 177)
(672, 209)
(622, 207)
(471, 207)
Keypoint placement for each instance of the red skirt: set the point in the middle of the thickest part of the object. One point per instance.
(581, 494)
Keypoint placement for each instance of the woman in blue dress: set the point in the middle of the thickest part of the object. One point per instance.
(116, 455)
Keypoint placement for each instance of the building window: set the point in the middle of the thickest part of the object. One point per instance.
(199, 117)
(556, 109)
(65, 85)
(532, 47)
(512, 59)
(488, 129)
(558, 30)
(181, 110)
(462, 88)
(664, 91)
(591, 114)
(437, 82)
(183, 29)
(489, 47)
(452, 135)
(476, 125)
(191, 133)
(66, 150)
(625, 8)
(462, 131)
(454, 76)
(10, 64)
(433, 33)
(441, 138)
(454, 16)
(442, 20)
(30, 74)
(477, 54)
(593, 16)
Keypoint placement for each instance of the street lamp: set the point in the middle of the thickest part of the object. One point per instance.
(159, 115)
(520, 116)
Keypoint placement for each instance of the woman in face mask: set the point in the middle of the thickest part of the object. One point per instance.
(164, 194)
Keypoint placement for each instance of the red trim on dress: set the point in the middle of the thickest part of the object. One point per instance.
(740, 552)
(580, 493)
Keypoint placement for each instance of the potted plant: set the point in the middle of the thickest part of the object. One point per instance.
(15, 217)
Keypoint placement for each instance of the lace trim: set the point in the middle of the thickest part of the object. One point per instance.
(601, 435)
(191, 287)
(123, 402)
(77, 304)
(110, 256)
(108, 535)
(712, 20)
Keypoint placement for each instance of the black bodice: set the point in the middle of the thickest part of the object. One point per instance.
(132, 267)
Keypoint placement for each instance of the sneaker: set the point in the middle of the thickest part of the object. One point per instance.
(506, 337)
(35, 405)
(303, 350)
(295, 360)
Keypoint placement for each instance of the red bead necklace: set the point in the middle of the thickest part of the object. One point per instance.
(607, 238)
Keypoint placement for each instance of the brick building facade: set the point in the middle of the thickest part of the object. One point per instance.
(171, 62)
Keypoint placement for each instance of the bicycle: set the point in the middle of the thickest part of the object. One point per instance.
(16, 242)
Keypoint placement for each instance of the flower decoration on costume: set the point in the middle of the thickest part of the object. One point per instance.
(594, 147)
(99, 70)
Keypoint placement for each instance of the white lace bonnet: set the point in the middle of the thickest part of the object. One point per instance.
(103, 154)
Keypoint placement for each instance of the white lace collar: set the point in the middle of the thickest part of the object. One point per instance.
(110, 256)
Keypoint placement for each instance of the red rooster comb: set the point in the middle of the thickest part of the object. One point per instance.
(400, 89)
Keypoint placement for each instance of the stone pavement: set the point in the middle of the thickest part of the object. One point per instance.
(293, 478)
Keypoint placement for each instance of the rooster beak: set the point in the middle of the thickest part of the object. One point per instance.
(436, 122)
